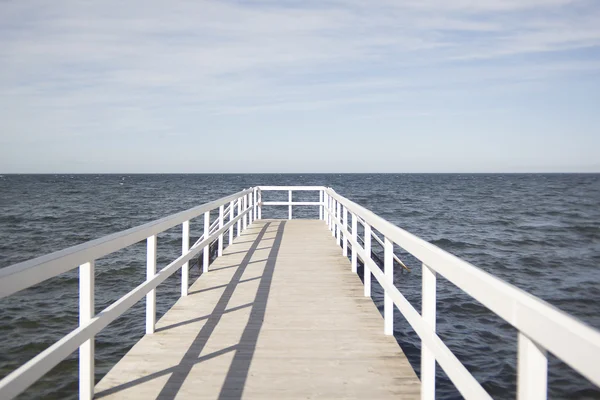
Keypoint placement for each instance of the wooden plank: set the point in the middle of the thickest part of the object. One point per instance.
(279, 315)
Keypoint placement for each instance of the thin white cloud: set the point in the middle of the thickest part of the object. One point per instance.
(70, 69)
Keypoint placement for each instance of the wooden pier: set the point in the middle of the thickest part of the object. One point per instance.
(281, 312)
(279, 315)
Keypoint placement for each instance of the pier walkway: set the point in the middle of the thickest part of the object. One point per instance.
(281, 312)
(279, 315)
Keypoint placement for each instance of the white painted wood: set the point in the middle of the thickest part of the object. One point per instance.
(231, 215)
(23, 275)
(367, 273)
(326, 210)
(150, 273)
(293, 203)
(220, 240)
(290, 204)
(251, 206)
(239, 212)
(254, 203)
(206, 250)
(295, 188)
(185, 246)
(345, 240)
(259, 204)
(532, 370)
(245, 219)
(86, 313)
(571, 340)
(388, 305)
(321, 205)
(428, 314)
(333, 218)
(354, 240)
(338, 216)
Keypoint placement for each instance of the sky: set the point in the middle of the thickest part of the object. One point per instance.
(299, 86)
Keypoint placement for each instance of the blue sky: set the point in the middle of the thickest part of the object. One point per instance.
(300, 86)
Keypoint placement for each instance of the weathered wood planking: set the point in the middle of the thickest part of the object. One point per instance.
(279, 315)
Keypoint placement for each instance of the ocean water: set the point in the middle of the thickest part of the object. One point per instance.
(540, 232)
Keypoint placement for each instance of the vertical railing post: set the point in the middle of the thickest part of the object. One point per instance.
(290, 209)
(345, 243)
(185, 247)
(366, 270)
(206, 251)
(231, 219)
(220, 240)
(254, 201)
(321, 205)
(326, 208)
(388, 270)
(150, 272)
(338, 219)
(239, 212)
(333, 217)
(428, 314)
(245, 224)
(250, 213)
(259, 204)
(86, 313)
(354, 240)
(532, 370)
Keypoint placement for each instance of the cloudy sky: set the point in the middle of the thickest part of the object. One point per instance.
(300, 86)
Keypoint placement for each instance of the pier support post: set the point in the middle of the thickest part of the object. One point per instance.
(185, 247)
(220, 240)
(345, 242)
(388, 305)
(532, 370)
(428, 314)
(367, 271)
(230, 219)
(206, 251)
(354, 240)
(86, 313)
(290, 209)
(150, 272)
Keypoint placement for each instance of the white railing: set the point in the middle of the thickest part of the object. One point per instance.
(29, 273)
(541, 327)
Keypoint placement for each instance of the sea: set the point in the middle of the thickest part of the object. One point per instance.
(539, 232)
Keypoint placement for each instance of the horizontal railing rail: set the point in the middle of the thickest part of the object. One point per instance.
(29, 273)
(541, 326)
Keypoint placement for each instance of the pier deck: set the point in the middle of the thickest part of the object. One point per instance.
(279, 315)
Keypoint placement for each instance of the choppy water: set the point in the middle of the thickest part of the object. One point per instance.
(538, 232)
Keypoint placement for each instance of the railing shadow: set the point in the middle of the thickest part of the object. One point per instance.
(237, 374)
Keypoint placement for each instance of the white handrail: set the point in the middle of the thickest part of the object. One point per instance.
(571, 340)
(23, 275)
(21, 378)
